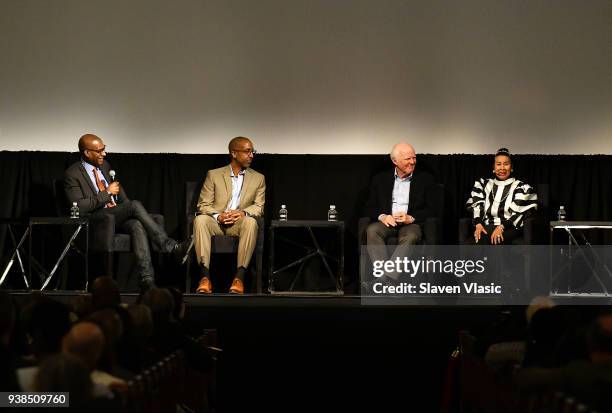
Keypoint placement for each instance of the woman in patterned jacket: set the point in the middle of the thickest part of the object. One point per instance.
(499, 204)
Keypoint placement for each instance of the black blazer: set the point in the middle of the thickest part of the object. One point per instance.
(80, 189)
(381, 190)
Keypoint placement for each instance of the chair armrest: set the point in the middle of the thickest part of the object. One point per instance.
(432, 231)
(362, 226)
(102, 232)
(530, 225)
(465, 226)
(259, 246)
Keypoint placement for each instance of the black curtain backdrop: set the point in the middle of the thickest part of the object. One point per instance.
(307, 184)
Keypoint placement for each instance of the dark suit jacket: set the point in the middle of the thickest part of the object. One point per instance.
(80, 189)
(381, 190)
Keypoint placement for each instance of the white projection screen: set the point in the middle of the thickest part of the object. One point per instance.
(308, 76)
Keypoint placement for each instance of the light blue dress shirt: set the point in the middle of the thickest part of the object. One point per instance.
(401, 194)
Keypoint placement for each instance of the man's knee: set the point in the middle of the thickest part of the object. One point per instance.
(204, 222)
(136, 207)
(249, 224)
(376, 230)
(410, 237)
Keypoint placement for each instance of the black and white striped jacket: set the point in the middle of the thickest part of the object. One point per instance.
(494, 202)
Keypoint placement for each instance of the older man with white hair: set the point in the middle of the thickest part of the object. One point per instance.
(398, 204)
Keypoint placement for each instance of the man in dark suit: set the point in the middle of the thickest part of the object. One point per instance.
(398, 204)
(87, 183)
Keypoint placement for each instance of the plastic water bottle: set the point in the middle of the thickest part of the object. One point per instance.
(332, 214)
(74, 210)
(561, 214)
(282, 214)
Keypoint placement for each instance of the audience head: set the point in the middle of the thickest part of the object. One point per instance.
(502, 164)
(536, 304)
(142, 322)
(403, 157)
(105, 293)
(7, 320)
(161, 303)
(65, 373)
(110, 323)
(241, 151)
(92, 149)
(47, 321)
(179, 303)
(82, 305)
(600, 339)
(85, 340)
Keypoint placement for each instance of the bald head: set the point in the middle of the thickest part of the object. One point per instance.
(105, 293)
(403, 157)
(89, 141)
(92, 149)
(86, 341)
(402, 148)
(237, 143)
(241, 152)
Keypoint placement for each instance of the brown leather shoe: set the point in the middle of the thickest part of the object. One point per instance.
(205, 286)
(237, 287)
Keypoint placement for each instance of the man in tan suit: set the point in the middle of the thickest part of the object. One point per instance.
(230, 199)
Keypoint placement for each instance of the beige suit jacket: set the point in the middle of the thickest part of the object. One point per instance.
(216, 192)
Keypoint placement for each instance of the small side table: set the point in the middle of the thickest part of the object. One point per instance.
(11, 223)
(79, 224)
(312, 251)
(575, 250)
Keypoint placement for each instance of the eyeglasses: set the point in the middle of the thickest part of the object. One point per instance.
(98, 151)
(247, 151)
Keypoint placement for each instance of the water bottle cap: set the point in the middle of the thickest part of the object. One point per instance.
(283, 206)
(332, 207)
(562, 207)
(74, 204)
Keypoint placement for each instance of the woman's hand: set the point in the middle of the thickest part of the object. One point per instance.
(497, 237)
(478, 232)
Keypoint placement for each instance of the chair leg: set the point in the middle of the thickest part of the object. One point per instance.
(258, 275)
(188, 276)
(109, 263)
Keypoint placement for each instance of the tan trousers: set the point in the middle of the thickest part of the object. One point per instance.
(205, 227)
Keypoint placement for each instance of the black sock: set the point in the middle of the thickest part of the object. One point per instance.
(240, 273)
(204, 271)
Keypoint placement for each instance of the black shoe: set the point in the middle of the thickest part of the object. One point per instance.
(146, 284)
(182, 249)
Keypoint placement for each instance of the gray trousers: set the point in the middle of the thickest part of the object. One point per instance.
(377, 233)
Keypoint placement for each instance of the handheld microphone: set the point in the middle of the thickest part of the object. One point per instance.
(112, 176)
